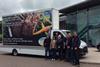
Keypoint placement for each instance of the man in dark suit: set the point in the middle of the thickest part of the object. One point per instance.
(75, 47)
(68, 47)
(47, 46)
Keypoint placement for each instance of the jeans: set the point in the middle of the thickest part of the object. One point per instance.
(75, 57)
(61, 53)
(47, 52)
(53, 53)
(68, 56)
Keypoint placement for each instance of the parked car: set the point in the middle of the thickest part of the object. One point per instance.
(98, 47)
(83, 48)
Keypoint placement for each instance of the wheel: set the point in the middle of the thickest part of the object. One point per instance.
(14, 52)
(99, 48)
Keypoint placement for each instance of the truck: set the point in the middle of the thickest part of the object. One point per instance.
(24, 33)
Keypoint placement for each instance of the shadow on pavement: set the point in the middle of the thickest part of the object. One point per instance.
(25, 55)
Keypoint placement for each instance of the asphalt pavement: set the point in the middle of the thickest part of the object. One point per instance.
(93, 56)
(7, 60)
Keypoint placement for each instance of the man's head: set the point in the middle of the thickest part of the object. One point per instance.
(74, 33)
(69, 34)
(59, 36)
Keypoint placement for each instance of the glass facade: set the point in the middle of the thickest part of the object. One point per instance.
(94, 15)
(81, 20)
(72, 21)
(94, 19)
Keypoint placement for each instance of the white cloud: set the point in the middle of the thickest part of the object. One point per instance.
(36, 4)
(42, 4)
(8, 7)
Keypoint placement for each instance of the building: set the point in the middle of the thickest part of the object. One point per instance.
(0, 31)
(83, 18)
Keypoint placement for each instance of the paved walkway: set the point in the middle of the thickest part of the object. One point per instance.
(93, 56)
(1, 44)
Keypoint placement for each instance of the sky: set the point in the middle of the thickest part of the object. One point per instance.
(8, 7)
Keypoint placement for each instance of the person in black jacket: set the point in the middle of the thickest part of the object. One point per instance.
(47, 42)
(60, 46)
(75, 47)
(68, 47)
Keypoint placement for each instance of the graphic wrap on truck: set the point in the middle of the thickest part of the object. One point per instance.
(27, 28)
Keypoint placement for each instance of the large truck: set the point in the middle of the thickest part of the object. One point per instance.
(25, 33)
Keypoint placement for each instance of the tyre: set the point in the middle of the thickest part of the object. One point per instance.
(14, 52)
(99, 48)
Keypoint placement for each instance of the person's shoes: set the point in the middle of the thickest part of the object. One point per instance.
(73, 63)
(52, 59)
(78, 65)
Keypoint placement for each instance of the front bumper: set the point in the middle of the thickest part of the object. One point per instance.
(83, 51)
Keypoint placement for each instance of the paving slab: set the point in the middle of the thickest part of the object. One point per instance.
(93, 56)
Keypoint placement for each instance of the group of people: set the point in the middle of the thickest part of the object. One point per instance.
(62, 48)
